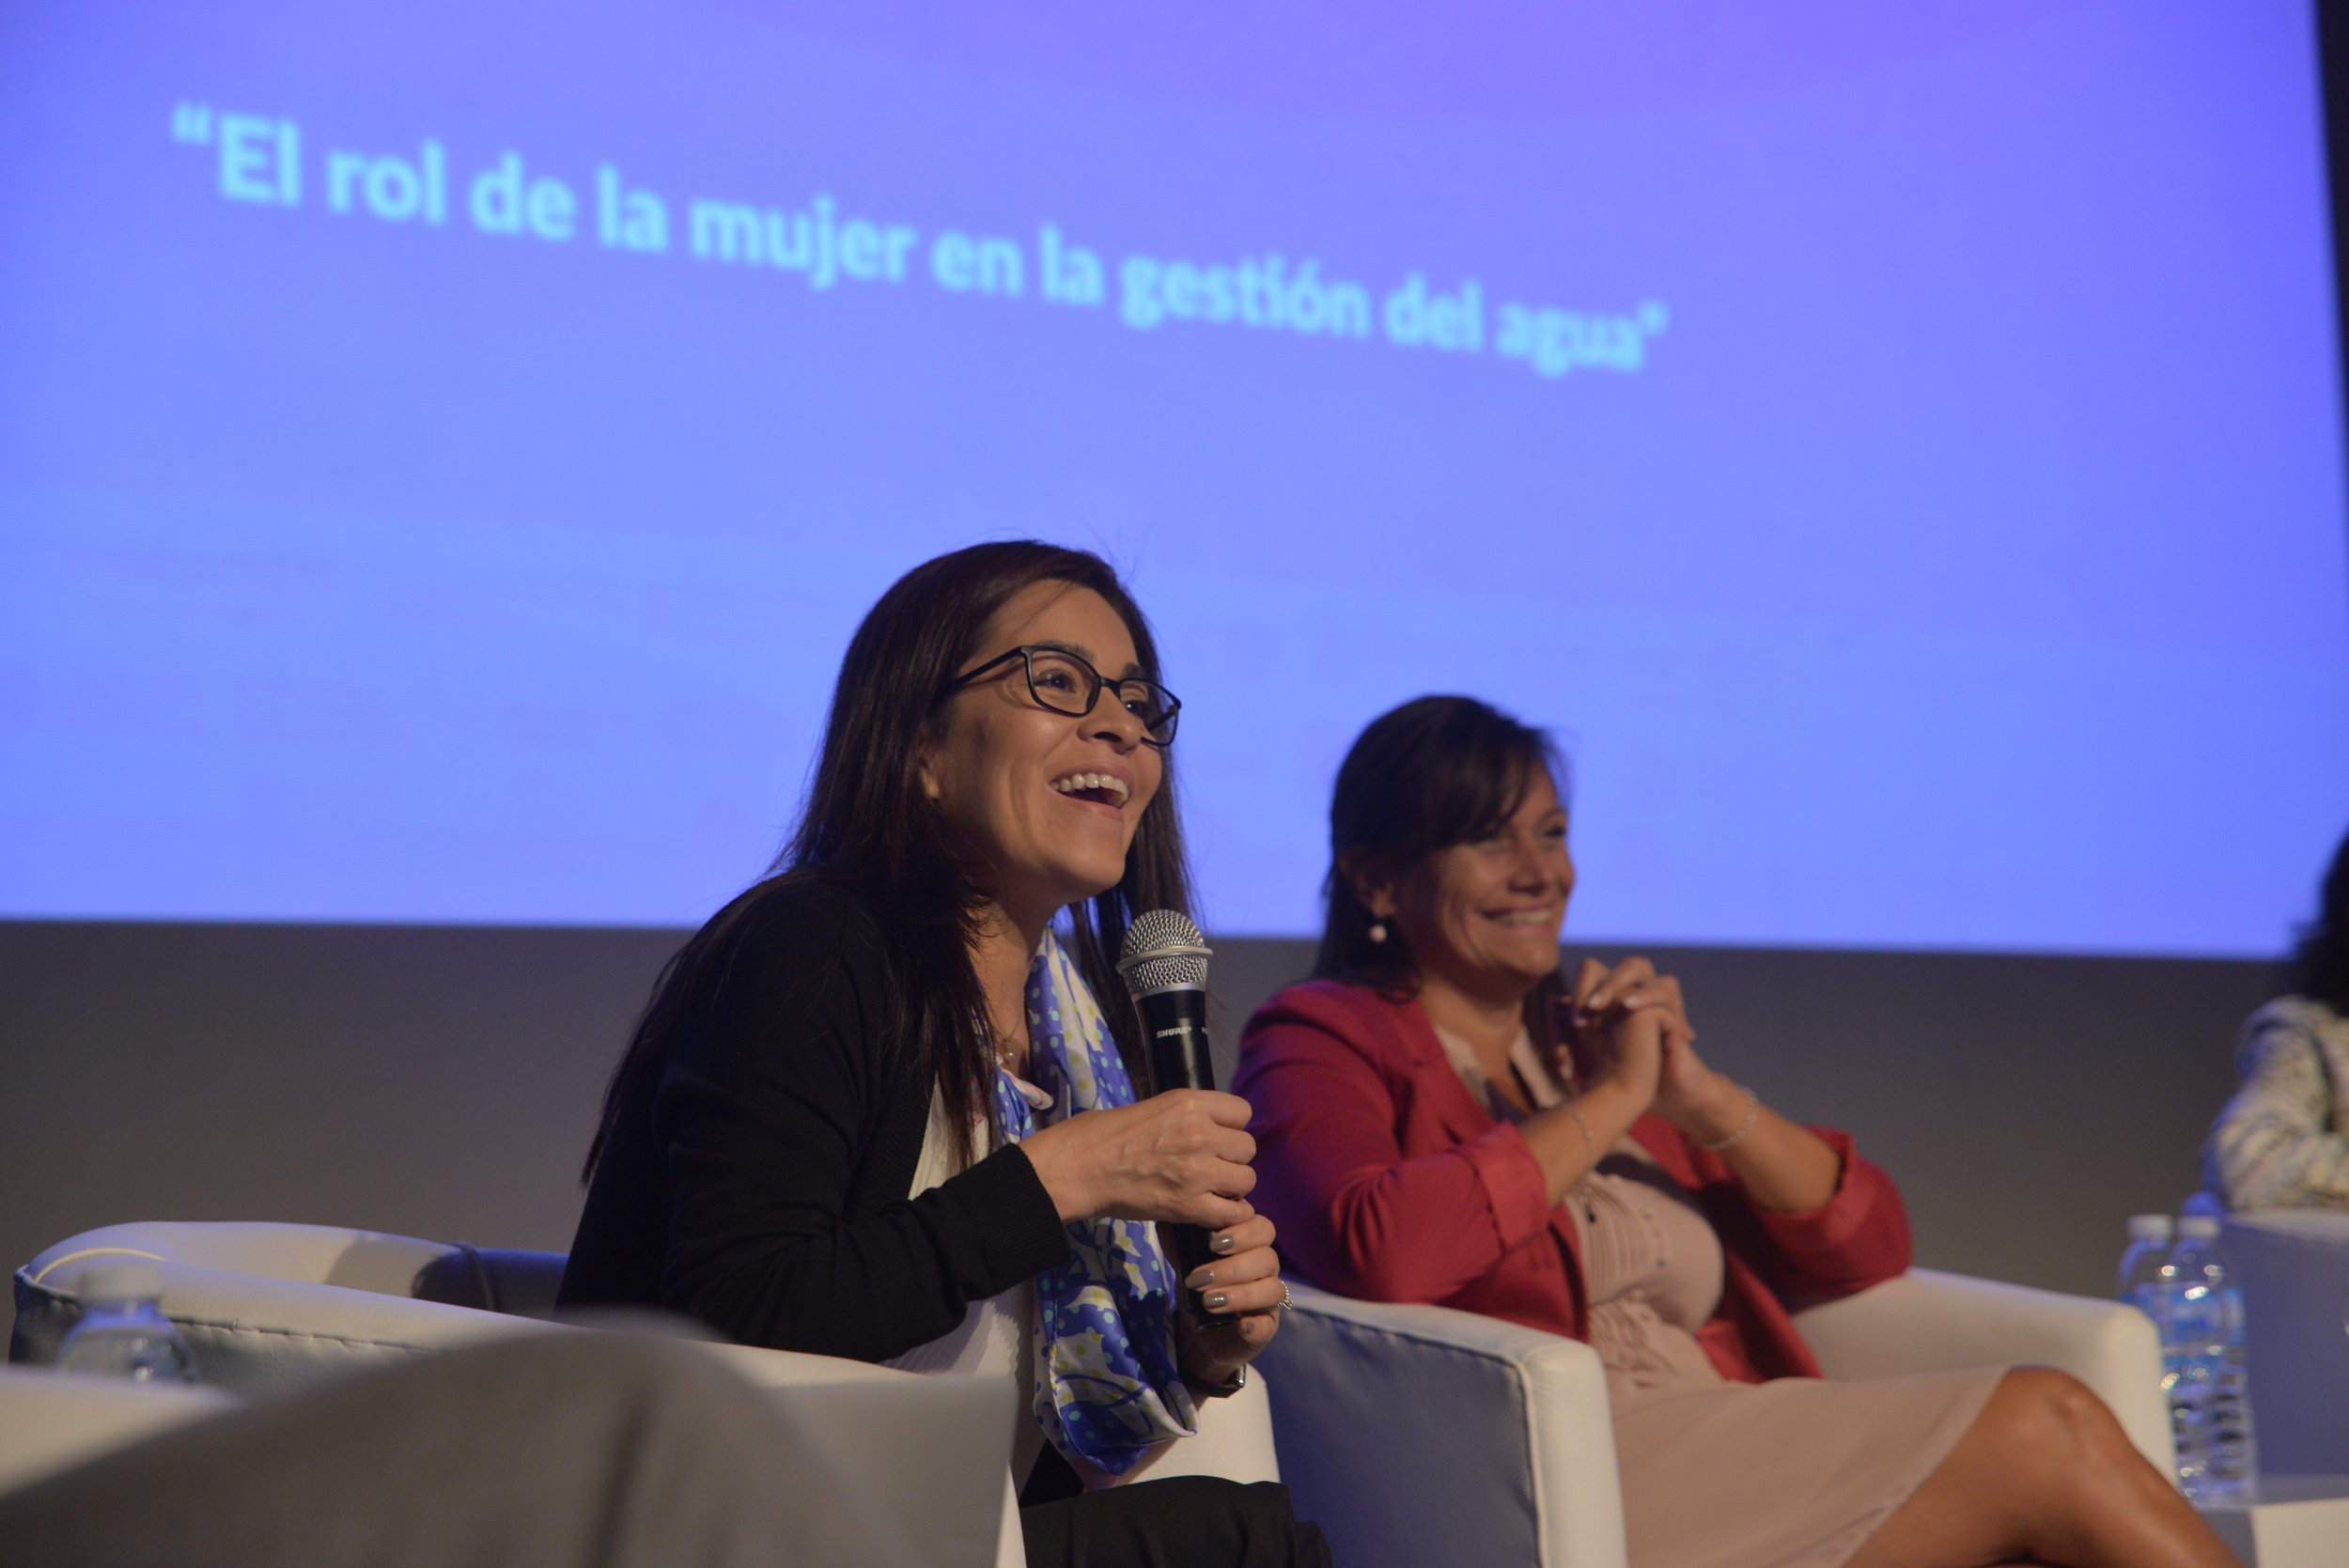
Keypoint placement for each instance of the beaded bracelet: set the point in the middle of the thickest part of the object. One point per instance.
(1589, 1141)
(1753, 1113)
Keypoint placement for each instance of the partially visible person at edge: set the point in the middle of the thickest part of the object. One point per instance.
(2283, 1140)
(882, 1105)
(1442, 1116)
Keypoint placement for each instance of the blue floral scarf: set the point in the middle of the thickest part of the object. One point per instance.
(1107, 1386)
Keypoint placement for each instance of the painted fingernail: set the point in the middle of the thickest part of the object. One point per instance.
(1222, 1244)
(1201, 1279)
(1215, 1303)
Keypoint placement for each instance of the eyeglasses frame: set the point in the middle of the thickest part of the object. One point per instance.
(1026, 654)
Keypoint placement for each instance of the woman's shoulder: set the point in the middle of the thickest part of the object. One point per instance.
(805, 912)
(786, 938)
(1370, 1019)
(1321, 999)
(2290, 1021)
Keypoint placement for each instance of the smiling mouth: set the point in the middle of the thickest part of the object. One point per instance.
(1102, 789)
(1526, 918)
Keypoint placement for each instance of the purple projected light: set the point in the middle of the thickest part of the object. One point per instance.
(442, 454)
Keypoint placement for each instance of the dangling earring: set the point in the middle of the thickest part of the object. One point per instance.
(1377, 930)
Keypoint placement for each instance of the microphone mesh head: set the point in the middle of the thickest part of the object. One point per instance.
(1163, 950)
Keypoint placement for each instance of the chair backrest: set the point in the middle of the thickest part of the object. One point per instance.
(2293, 1266)
(492, 1280)
(1418, 1435)
(265, 1305)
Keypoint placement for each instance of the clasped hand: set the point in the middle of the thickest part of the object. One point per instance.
(1628, 1025)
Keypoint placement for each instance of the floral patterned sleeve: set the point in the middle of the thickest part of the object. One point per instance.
(2283, 1140)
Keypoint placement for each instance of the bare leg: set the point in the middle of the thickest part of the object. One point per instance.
(2044, 1475)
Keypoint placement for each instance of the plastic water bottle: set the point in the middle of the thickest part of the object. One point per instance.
(2186, 1377)
(123, 1332)
(2205, 1366)
(2145, 1267)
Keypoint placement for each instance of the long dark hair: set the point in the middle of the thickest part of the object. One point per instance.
(1435, 772)
(2320, 965)
(867, 824)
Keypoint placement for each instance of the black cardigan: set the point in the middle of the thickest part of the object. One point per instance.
(756, 1179)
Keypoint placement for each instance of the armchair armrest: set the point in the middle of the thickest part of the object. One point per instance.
(1418, 1435)
(933, 1448)
(53, 1420)
(1928, 1321)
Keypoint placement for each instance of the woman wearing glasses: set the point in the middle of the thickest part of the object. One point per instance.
(849, 1120)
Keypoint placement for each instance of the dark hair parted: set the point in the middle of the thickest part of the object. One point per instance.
(1435, 772)
(2320, 965)
(869, 824)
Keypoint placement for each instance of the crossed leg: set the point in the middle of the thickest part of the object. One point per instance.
(2045, 1475)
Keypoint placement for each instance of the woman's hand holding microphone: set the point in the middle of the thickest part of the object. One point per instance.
(1181, 1155)
(1182, 1158)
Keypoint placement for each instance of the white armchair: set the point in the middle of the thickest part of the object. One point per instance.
(1422, 1435)
(268, 1306)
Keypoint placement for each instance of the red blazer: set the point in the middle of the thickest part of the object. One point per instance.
(1389, 1182)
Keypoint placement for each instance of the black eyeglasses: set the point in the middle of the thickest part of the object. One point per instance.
(1060, 681)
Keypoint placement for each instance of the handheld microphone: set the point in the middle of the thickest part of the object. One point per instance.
(1164, 965)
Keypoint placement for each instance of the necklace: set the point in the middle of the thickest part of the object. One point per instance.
(1006, 1057)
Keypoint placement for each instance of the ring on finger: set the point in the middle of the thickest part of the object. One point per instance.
(1286, 1299)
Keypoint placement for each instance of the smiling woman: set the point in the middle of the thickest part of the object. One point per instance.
(875, 1108)
(1445, 1116)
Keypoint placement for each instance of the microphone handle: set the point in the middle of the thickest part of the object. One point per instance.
(1176, 1022)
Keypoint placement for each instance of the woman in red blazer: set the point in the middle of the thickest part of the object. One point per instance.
(1442, 1116)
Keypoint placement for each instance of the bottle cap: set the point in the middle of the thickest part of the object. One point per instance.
(2202, 1227)
(2148, 1227)
(119, 1280)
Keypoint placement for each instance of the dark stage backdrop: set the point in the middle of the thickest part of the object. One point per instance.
(442, 1081)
